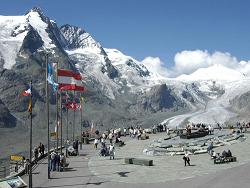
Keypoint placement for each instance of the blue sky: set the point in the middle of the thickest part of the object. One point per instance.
(158, 28)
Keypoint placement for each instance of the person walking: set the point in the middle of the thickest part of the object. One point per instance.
(186, 158)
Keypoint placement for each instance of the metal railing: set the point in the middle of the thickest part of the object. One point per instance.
(14, 167)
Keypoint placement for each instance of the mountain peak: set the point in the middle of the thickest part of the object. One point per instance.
(39, 11)
(78, 38)
(36, 9)
(214, 72)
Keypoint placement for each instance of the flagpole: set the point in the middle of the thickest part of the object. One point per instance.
(30, 110)
(67, 125)
(57, 106)
(61, 119)
(81, 124)
(47, 109)
(74, 121)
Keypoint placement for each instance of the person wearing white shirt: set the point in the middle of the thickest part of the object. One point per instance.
(186, 158)
(112, 152)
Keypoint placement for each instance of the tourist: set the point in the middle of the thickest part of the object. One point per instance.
(241, 128)
(57, 162)
(224, 154)
(111, 152)
(125, 131)
(210, 148)
(104, 150)
(36, 155)
(110, 136)
(210, 129)
(138, 134)
(62, 162)
(76, 146)
(53, 161)
(167, 131)
(96, 143)
(42, 149)
(186, 158)
(229, 153)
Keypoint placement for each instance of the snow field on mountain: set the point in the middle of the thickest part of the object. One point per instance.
(214, 72)
(10, 45)
(36, 22)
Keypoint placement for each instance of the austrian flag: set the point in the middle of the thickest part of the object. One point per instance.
(69, 80)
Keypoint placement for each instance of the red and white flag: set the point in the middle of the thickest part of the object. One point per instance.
(72, 105)
(69, 80)
(26, 93)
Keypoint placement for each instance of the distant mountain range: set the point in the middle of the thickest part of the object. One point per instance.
(120, 90)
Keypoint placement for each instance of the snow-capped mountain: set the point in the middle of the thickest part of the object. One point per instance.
(121, 91)
(112, 78)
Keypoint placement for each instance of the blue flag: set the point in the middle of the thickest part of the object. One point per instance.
(50, 77)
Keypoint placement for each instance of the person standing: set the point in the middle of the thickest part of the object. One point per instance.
(95, 143)
(42, 149)
(111, 152)
(53, 161)
(62, 162)
(36, 155)
(57, 161)
(186, 158)
(125, 131)
(76, 147)
(110, 137)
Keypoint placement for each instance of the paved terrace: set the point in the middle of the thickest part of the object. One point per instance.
(90, 170)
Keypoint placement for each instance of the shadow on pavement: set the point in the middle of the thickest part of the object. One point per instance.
(69, 170)
(72, 185)
(123, 174)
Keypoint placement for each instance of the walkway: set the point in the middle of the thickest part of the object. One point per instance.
(90, 170)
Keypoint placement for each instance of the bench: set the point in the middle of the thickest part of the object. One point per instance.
(224, 160)
(128, 160)
(135, 161)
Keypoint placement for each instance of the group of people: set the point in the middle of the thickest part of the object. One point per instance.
(39, 151)
(223, 155)
(111, 137)
(200, 127)
(57, 161)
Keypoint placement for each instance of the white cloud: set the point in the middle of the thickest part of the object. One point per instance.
(187, 62)
(155, 65)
